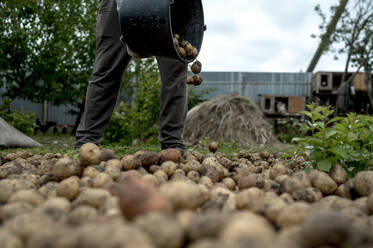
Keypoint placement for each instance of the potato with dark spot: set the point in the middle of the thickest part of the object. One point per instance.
(338, 174)
(69, 188)
(251, 180)
(148, 158)
(307, 194)
(213, 146)
(106, 155)
(197, 80)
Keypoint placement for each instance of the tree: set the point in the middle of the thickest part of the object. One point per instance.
(47, 49)
(353, 36)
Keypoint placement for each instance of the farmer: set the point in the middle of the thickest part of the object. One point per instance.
(110, 63)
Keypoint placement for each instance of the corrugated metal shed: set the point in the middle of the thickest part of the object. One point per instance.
(252, 84)
(249, 84)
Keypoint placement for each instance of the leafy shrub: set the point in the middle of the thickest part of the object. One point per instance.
(347, 141)
(21, 120)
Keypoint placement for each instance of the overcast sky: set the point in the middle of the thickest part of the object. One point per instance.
(265, 36)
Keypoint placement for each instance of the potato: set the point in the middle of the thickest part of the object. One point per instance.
(81, 214)
(171, 154)
(249, 199)
(113, 162)
(148, 158)
(338, 174)
(176, 42)
(197, 80)
(154, 168)
(130, 162)
(323, 182)
(113, 171)
(327, 228)
(290, 185)
(47, 237)
(251, 180)
(151, 179)
(89, 154)
(34, 179)
(10, 186)
(181, 52)
(213, 146)
(189, 50)
(168, 167)
(69, 188)
(106, 155)
(64, 168)
(247, 225)
(194, 176)
(60, 203)
(12, 209)
(91, 172)
(303, 177)
(100, 180)
(91, 197)
(344, 191)
(281, 178)
(278, 170)
(27, 224)
(110, 207)
(137, 197)
(230, 183)
(184, 194)
(270, 207)
(293, 214)
(30, 196)
(361, 203)
(161, 176)
(223, 199)
(9, 239)
(191, 165)
(287, 198)
(189, 81)
(363, 182)
(307, 194)
(176, 36)
(194, 52)
(49, 190)
(271, 186)
(206, 181)
(163, 230)
(208, 225)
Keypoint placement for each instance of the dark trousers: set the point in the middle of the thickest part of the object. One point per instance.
(109, 66)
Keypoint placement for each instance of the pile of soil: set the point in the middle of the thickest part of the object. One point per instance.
(231, 118)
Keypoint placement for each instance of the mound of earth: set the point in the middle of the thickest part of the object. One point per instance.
(231, 118)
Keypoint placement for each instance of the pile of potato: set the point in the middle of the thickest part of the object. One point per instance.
(187, 50)
(166, 200)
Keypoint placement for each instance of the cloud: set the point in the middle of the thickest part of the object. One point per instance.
(268, 35)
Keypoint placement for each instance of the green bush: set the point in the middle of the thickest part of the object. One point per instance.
(347, 141)
(141, 120)
(21, 120)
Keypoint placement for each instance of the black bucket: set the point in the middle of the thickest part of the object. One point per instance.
(148, 26)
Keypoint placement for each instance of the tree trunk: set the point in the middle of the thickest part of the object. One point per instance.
(325, 40)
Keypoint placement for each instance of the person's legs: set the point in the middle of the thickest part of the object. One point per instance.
(110, 63)
(173, 101)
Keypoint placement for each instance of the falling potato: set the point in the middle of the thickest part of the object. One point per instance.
(197, 80)
(196, 67)
(189, 80)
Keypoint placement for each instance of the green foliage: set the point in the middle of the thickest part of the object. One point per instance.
(288, 128)
(347, 141)
(139, 121)
(23, 121)
(47, 49)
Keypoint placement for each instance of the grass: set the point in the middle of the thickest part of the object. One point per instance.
(64, 144)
